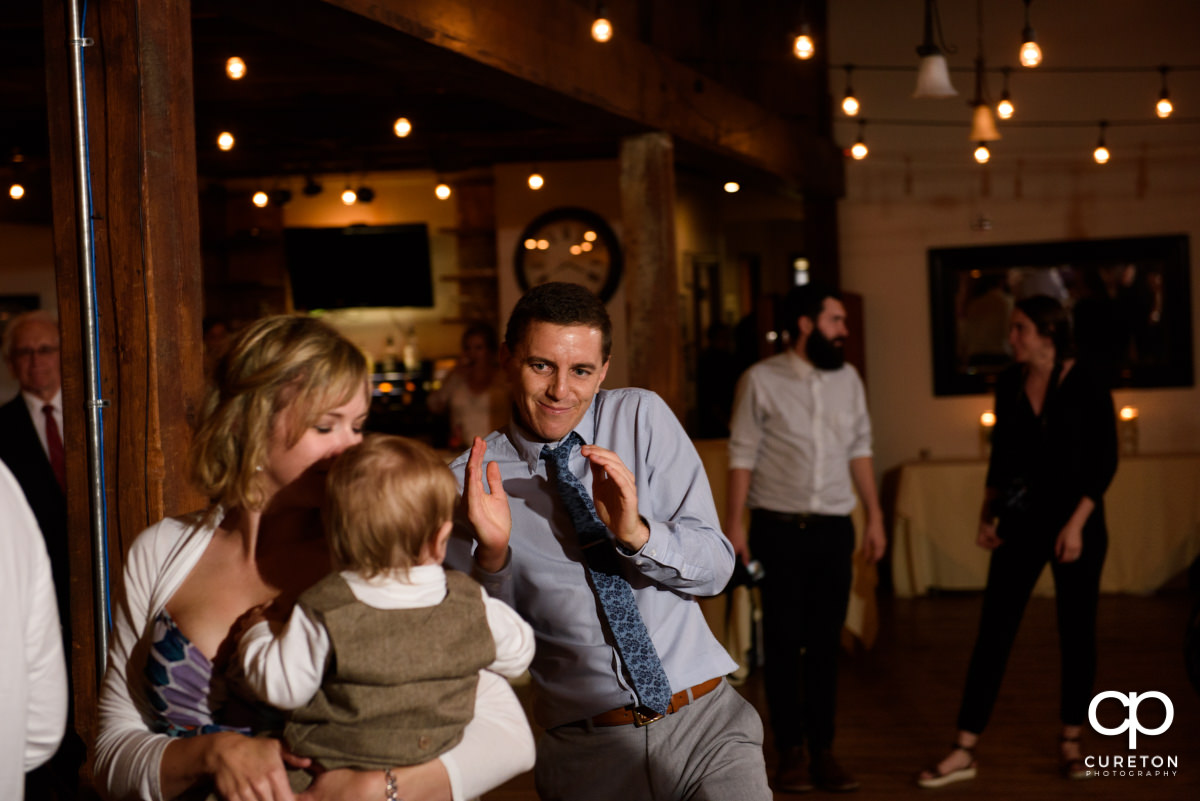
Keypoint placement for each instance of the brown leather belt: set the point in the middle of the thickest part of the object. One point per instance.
(640, 716)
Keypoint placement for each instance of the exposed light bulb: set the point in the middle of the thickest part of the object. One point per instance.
(260, 199)
(803, 47)
(602, 30)
(442, 191)
(859, 150)
(1031, 54)
(982, 154)
(1101, 154)
(732, 186)
(402, 127)
(235, 68)
(1163, 108)
(349, 197)
(225, 140)
(1005, 109)
(850, 104)
(16, 191)
(536, 181)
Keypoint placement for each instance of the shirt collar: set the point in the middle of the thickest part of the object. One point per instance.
(802, 366)
(530, 449)
(35, 403)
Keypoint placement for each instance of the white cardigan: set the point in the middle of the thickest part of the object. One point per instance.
(496, 744)
(33, 676)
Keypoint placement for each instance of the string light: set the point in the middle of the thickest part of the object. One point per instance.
(850, 104)
(402, 127)
(260, 199)
(859, 149)
(225, 140)
(442, 191)
(1031, 54)
(1005, 108)
(1101, 154)
(803, 48)
(1163, 107)
(235, 68)
(602, 29)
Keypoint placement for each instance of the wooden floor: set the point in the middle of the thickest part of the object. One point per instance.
(897, 703)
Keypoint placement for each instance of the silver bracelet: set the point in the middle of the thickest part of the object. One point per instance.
(392, 793)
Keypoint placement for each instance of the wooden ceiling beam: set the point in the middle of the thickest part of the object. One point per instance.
(547, 44)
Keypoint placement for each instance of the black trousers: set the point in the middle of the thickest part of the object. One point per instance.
(805, 592)
(1012, 574)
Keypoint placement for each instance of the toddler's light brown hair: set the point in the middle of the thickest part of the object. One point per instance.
(386, 499)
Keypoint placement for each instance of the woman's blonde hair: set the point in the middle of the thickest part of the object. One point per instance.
(287, 369)
(385, 499)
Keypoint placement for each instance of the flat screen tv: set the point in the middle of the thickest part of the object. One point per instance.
(360, 265)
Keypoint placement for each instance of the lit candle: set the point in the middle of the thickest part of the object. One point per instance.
(987, 421)
(1127, 430)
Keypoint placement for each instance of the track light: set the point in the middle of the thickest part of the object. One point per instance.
(1031, 54)
(1005, 108)
(235, 68)
(1164, 107)
(602, 29)
(859, 149)
(1101, 154)
(850, 104)
(933, 77)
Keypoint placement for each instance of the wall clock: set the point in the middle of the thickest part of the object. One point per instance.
(569, 244)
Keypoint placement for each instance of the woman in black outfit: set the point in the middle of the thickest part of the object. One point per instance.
(1054, 453)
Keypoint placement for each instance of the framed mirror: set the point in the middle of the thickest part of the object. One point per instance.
(1130, 303)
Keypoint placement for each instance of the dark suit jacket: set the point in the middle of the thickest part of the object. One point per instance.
(22, 451)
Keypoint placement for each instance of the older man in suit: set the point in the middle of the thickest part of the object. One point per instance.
(31, 445)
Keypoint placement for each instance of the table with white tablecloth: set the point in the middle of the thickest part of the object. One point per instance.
(1152, 507)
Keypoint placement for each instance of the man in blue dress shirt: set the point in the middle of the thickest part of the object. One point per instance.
(651, 493)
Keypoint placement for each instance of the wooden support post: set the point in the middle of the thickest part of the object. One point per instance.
(148, 287)
(655, 328)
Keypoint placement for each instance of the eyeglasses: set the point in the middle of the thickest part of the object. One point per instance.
(19, 354)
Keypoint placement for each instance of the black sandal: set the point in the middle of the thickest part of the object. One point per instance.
(939, 779)
(1074, 769)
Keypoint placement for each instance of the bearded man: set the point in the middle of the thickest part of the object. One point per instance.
(799, 445)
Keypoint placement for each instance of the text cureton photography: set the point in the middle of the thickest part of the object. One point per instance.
(1131, 765)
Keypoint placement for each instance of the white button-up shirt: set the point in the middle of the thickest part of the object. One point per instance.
(796, 428)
